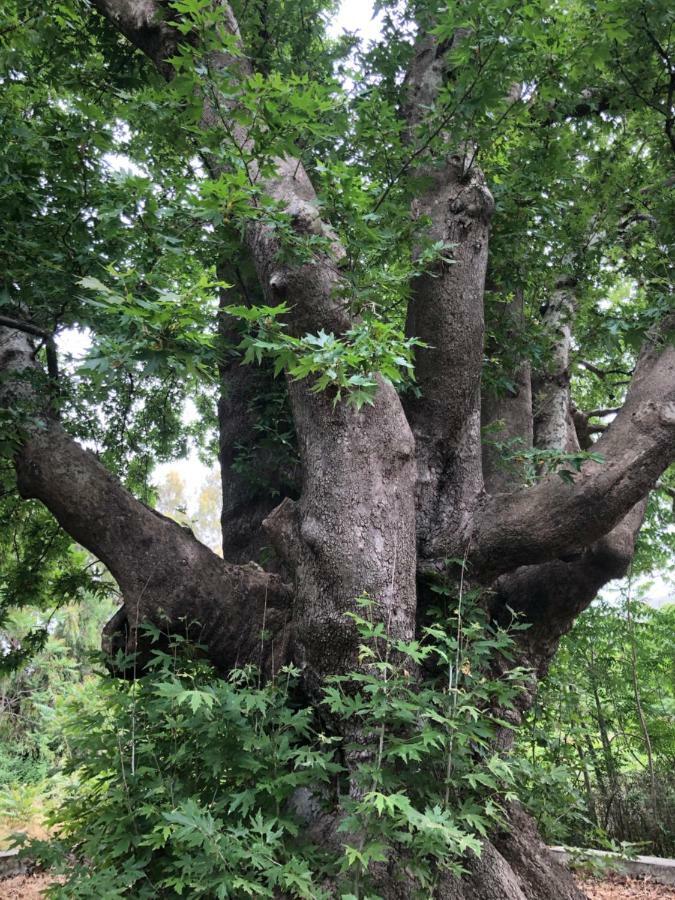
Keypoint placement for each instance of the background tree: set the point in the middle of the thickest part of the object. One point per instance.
(269, 214)
(202, 515)
(604, 715)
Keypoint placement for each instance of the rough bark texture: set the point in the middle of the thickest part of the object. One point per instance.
(507, 418)
(255, 475)
(446, 312)
(550, 596)
(245, 503)
(165, 575)
(354, 535)
(312, 286)
(514, 864)
(519, 529)
(551, 389)
(539, 876)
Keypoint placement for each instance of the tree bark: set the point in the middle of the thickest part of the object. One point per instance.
(255, 475)
(352, 535)
(514, 864)
(446, 312)
(507, 418)
(556, 519)
(550, 596)
(551, 388)
(349, 538)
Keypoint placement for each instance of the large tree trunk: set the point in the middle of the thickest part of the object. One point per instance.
(256, 475)
(387, 495)
(514, 865)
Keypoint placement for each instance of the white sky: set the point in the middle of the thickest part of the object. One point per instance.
(356, 15)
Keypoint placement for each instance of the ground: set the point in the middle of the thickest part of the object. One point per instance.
(24, 887)
(622, 888)
(30, 887)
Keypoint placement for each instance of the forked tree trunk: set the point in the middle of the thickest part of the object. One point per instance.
(387, 495)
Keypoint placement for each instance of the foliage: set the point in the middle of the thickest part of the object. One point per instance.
(40, 569)
(598, 749)
(113, 229)
(165, 330)
(29, 690)
(116, 162)
(345, 366)
(425, 775)
(187, 783)
(532, 462)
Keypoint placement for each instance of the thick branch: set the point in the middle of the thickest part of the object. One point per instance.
(256, 474)
(549, 597)
(551, 388)
(556, 518)
(165, 574)
(507, 418)
(310, 287)
(446, 312)
(356, 513)
(353, 529)
(146, 23)
(47, 339)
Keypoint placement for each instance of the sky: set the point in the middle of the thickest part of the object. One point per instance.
(356, 15)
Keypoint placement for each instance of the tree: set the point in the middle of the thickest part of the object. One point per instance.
(204, 519)
(491, 196)
(604, 713)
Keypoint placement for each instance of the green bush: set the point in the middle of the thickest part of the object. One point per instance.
(20, 765)
(183, 782)
(599, 743)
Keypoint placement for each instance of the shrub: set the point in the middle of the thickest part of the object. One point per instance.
(183, 781)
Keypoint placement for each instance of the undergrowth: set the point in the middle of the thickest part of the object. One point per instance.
(182, 783)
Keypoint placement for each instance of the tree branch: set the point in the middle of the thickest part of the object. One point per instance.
(165, 575)
(508, 417)
(556, 518)
(356, 513)
(312, 285)
(550, 596)
(551, 388)
(47, 339)
(250, 492)
(603, 373)
(446, 312)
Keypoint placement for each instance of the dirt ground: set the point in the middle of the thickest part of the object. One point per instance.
(619, 887)
(30, 887)
(25, 887)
